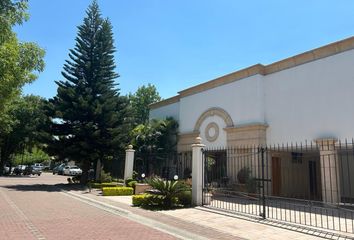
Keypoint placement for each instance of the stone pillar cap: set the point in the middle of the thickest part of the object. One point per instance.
(198, 140)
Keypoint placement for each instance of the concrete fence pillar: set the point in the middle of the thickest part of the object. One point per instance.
(197, 172)
(129, 162)
(329, 165)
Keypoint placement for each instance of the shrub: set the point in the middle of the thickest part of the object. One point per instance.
(187, 182)
(117, 191)
(135, 175)
(132, 184)
(167, 190)
(109, 184)
(95, 185)
(251, 185)
(147, 200)
(140, 200)
(105, 184)
(243, 175)
(128, 180)
(105, 177)
(120, 180)
(185, 198)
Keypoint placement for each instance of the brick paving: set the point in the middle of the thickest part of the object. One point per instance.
(33, 208)
(46, 207)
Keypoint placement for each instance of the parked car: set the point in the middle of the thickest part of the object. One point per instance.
(59, 169)
(38, 166)
(36, 170)
(72, 170)
(19, 169)
(27, 170)
(7, 170)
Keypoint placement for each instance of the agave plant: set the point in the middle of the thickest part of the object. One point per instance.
(168, 190)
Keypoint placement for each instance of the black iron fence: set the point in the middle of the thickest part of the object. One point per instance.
(307, 184)
(115, 166)
(165, 165)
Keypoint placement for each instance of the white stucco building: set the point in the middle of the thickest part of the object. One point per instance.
(306, 97)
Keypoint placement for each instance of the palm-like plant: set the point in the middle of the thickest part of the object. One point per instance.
(168, 190)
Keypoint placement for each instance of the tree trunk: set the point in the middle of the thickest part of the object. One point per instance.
(1, 163)
(4, 157)
(98, 170)
(85, 172)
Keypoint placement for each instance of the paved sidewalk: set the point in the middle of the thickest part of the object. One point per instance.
(214, 225)
(46, 207)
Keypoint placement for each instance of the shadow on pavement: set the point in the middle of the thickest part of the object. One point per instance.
(46, 187)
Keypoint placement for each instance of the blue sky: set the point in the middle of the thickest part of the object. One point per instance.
(178, 44)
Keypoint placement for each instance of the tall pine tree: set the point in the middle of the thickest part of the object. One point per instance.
(88, 113)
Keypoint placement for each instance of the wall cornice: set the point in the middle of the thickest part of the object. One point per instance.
(306, 57)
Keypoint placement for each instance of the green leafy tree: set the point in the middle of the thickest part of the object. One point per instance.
(89, 116)
(153, 142)
(140, 101)
(31, 156)
(156, 136)
(18, 60)
(28, 119)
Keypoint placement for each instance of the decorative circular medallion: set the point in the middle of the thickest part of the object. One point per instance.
(212, 132)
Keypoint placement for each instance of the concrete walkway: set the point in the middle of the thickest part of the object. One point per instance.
(229, 224)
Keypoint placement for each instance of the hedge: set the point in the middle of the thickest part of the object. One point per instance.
(147, 199)
(105, 184)
(139, 200)
(117, 191)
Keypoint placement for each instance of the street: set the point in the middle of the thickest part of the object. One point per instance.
(36, 208)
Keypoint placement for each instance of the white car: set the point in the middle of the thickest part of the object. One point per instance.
(38, 166)
(72, 170)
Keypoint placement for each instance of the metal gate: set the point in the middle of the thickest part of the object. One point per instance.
(300, 184)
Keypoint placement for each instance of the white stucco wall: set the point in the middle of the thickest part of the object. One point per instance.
(171, 110)
(311, 101)
(242, 100)
(221, 140)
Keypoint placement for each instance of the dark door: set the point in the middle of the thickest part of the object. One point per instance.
(276, 176)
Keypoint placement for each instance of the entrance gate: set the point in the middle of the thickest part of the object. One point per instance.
(283, 183)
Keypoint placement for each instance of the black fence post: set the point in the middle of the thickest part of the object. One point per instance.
(203, 175)
(263, 214)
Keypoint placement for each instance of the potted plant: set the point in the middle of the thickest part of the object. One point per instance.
(243, 175)
(251, 186)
